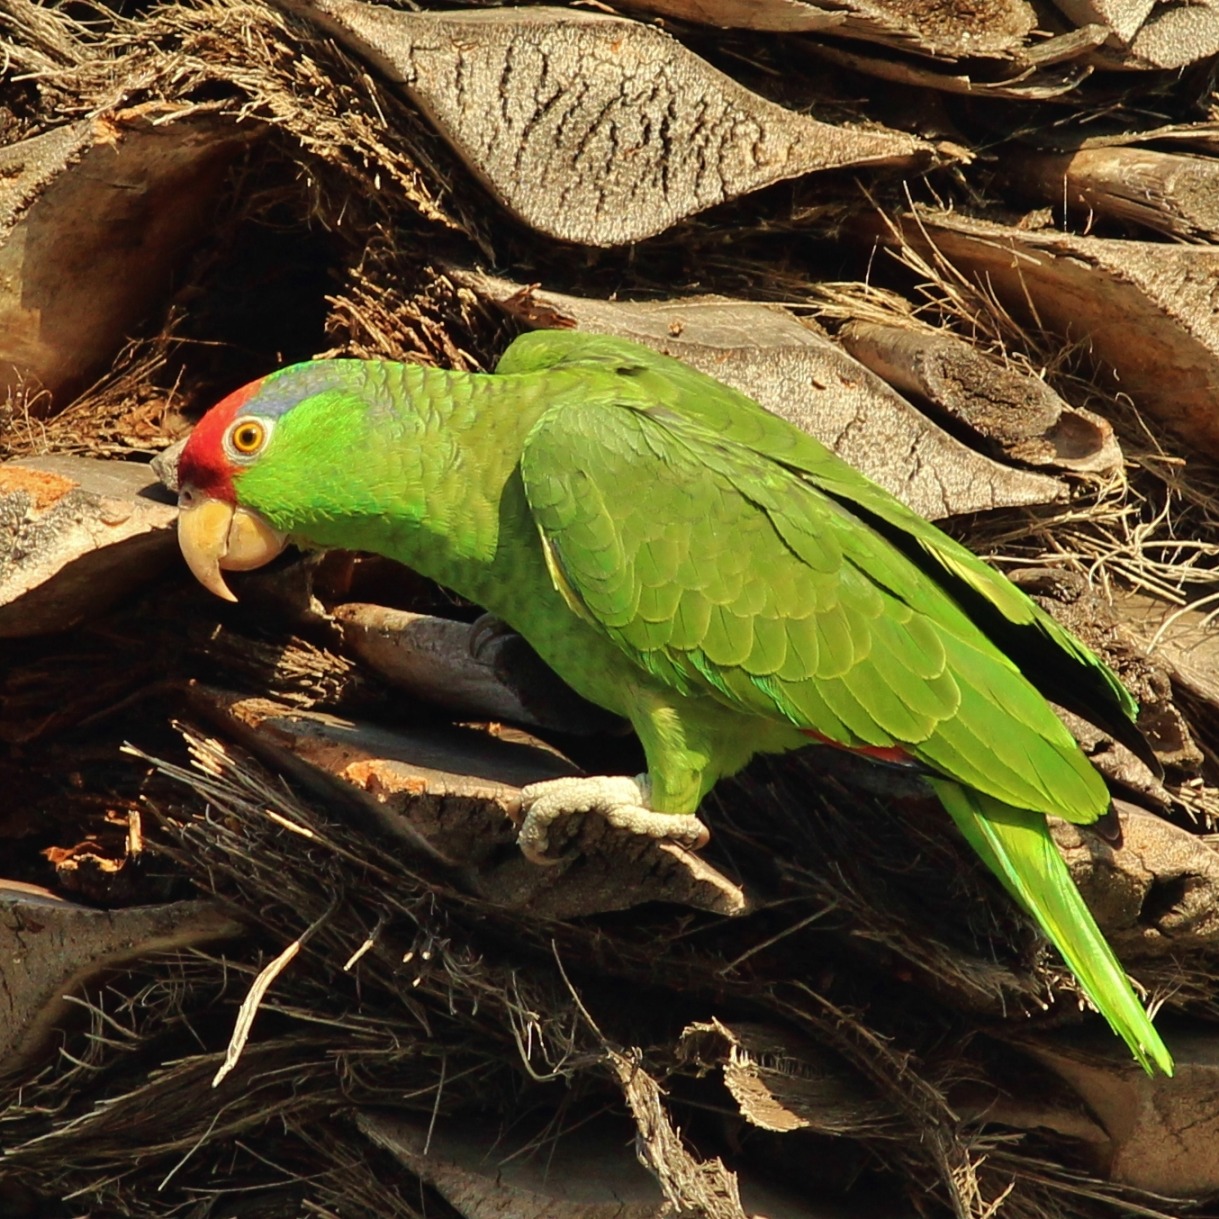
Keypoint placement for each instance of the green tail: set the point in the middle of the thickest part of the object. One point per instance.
(1016, 846)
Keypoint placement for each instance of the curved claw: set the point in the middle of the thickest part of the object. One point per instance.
(215, 535)
(485, 631)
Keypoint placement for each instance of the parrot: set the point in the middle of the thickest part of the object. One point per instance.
(693, 563)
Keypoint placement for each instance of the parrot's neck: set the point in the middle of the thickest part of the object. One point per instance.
(420, 465)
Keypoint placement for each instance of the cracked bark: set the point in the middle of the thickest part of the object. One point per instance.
(581, 163)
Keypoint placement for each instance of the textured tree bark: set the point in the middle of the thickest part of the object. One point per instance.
(1168, 192)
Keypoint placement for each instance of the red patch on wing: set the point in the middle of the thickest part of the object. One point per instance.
(203, 464)
(895, 755)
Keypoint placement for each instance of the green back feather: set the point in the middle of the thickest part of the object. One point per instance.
(1028, 633)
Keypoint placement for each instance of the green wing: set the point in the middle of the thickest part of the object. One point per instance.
(1058, 663)
(728, 572)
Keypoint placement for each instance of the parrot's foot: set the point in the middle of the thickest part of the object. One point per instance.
(622, 802)
(485, 632)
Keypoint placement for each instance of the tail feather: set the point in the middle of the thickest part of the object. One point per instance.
(1016, 845)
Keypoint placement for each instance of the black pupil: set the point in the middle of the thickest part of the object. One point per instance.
(247, 437)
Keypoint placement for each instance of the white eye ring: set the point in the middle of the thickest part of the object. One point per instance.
(246, 437)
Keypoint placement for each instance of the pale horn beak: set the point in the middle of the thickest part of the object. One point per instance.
(215, 535)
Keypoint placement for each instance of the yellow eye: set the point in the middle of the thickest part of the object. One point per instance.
(247, 436)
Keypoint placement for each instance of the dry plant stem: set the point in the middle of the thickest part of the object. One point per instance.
(1156, 534)
(1123, 17)
(1172, 38)
(1017, 414)
(340, 118)
(79, 534)
(69, 293)
(536, 1041)
(249, 1009)
(1025, 83)
(1144, 309)
(533, 100)
(705, 1188)
(1167, 192)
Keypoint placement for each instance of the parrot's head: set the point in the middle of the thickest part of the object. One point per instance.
(310, 453)
(219, 525)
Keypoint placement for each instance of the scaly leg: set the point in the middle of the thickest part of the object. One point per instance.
(620, 800)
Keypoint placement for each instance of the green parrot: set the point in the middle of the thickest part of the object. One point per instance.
(689, 561)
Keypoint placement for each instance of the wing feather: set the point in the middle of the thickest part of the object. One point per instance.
(1057, 661)
(779, 603)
